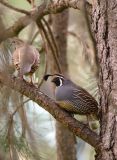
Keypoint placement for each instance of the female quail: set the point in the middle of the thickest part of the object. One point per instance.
(73, 98)
(26, 58)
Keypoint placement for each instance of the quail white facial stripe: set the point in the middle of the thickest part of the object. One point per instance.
(59, 77)
(61, 82)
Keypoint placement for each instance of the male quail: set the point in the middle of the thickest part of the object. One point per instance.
(26, 58)
(73, 98)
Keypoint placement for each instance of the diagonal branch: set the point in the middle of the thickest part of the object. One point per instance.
(49, 105)
(6, 4)
(52, 37)
(38, 13)
(40, 25)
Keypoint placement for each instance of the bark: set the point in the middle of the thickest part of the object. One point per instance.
(105, 30)
(64, 137)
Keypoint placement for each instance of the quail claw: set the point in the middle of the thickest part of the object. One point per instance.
(31, 80)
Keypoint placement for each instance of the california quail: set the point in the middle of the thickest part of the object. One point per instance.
(26, 58)
(73, 98)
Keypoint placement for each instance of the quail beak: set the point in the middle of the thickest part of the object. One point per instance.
(53, 80)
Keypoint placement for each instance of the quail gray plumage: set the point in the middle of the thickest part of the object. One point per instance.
(26, 58)
(72, 97)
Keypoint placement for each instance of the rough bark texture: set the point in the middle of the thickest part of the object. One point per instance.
(66, 141)
(105, 29)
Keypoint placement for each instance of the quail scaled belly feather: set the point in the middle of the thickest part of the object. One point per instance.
(72, 97)
(26, 58)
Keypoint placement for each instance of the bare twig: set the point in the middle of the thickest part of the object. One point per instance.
(40, 25)
(14, 8)
(46, 51)
(48, 104)
(34, 37)
(45, 70)
(19, 107)
(74, 35)
(52, 37)
(10, 136)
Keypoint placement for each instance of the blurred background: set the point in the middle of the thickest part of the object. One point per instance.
(27, 131)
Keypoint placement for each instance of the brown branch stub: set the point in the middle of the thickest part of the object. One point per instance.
(49, 105)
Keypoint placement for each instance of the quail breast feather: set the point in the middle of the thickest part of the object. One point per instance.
(26, 58)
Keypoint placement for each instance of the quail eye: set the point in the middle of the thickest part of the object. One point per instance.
(58, 81)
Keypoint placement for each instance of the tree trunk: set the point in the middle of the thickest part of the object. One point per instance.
(105, 30)
(65, 139)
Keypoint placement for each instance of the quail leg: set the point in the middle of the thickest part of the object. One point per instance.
(88, 121)
(31, 79)
(91, 122)
(20, 75)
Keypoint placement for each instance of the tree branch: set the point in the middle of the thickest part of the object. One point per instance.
(40, 25)
(38, 13)
(6, 4)
(79, 129)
